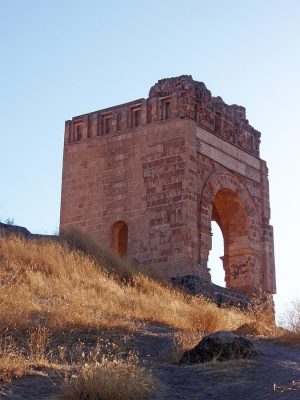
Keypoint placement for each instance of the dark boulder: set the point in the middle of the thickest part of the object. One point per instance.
(220, 346)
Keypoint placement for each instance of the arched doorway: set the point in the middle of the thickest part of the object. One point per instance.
(229, 212)
(226, 200)
(120, 238)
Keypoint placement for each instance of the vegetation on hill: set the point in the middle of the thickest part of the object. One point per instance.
(53, 284)
(50, 288)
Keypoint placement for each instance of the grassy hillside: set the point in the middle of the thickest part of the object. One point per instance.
(50, 284)
(50, 288)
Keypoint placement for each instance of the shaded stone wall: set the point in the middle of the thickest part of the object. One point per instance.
(193, 284)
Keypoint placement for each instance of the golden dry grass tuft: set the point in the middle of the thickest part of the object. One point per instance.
(31, 356)
(257, 328)
(110, 379)
(12, 361)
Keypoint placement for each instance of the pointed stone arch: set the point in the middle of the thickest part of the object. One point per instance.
(226, 200)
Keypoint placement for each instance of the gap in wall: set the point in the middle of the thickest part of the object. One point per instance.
(214, 262)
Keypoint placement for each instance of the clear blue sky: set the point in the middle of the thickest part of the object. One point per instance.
(64, 58)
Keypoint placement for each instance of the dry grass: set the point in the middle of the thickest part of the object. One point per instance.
(288, 338)
(48, 288)
(110, 379)
(47, 284)
(89, 371)
(114, 264)
(12, 361)
(183, 341)
(32, 356)
(257, 328)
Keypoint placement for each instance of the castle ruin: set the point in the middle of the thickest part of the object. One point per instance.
(148, 177)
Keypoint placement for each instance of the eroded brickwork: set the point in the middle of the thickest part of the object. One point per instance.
(148, 177)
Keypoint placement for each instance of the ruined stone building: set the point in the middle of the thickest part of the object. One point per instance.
(148, 177)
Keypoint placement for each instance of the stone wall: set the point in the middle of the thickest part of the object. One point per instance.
(193, 284)
(163, 168)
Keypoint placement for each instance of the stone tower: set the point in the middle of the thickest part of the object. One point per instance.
(148, 177)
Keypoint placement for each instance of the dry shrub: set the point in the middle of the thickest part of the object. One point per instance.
(37, 343)
(110, 379)
(183, 341)
(12, 361)
(290, 317)
(288, 332)
(18, 358)
(257, 328)
(289, 338)
(261, 318)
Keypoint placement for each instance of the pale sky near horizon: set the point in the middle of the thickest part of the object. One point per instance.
(64, 58)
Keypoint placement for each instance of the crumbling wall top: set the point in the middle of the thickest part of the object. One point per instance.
(177, 97)
(185, 85)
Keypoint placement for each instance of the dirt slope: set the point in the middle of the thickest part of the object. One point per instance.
(275, 374)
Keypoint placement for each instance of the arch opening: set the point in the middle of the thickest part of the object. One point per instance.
(215, 257)
(230, 213)
(120, 238)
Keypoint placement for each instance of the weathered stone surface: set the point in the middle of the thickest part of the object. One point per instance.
(220, 346)
(148, 177)
(223, 297)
